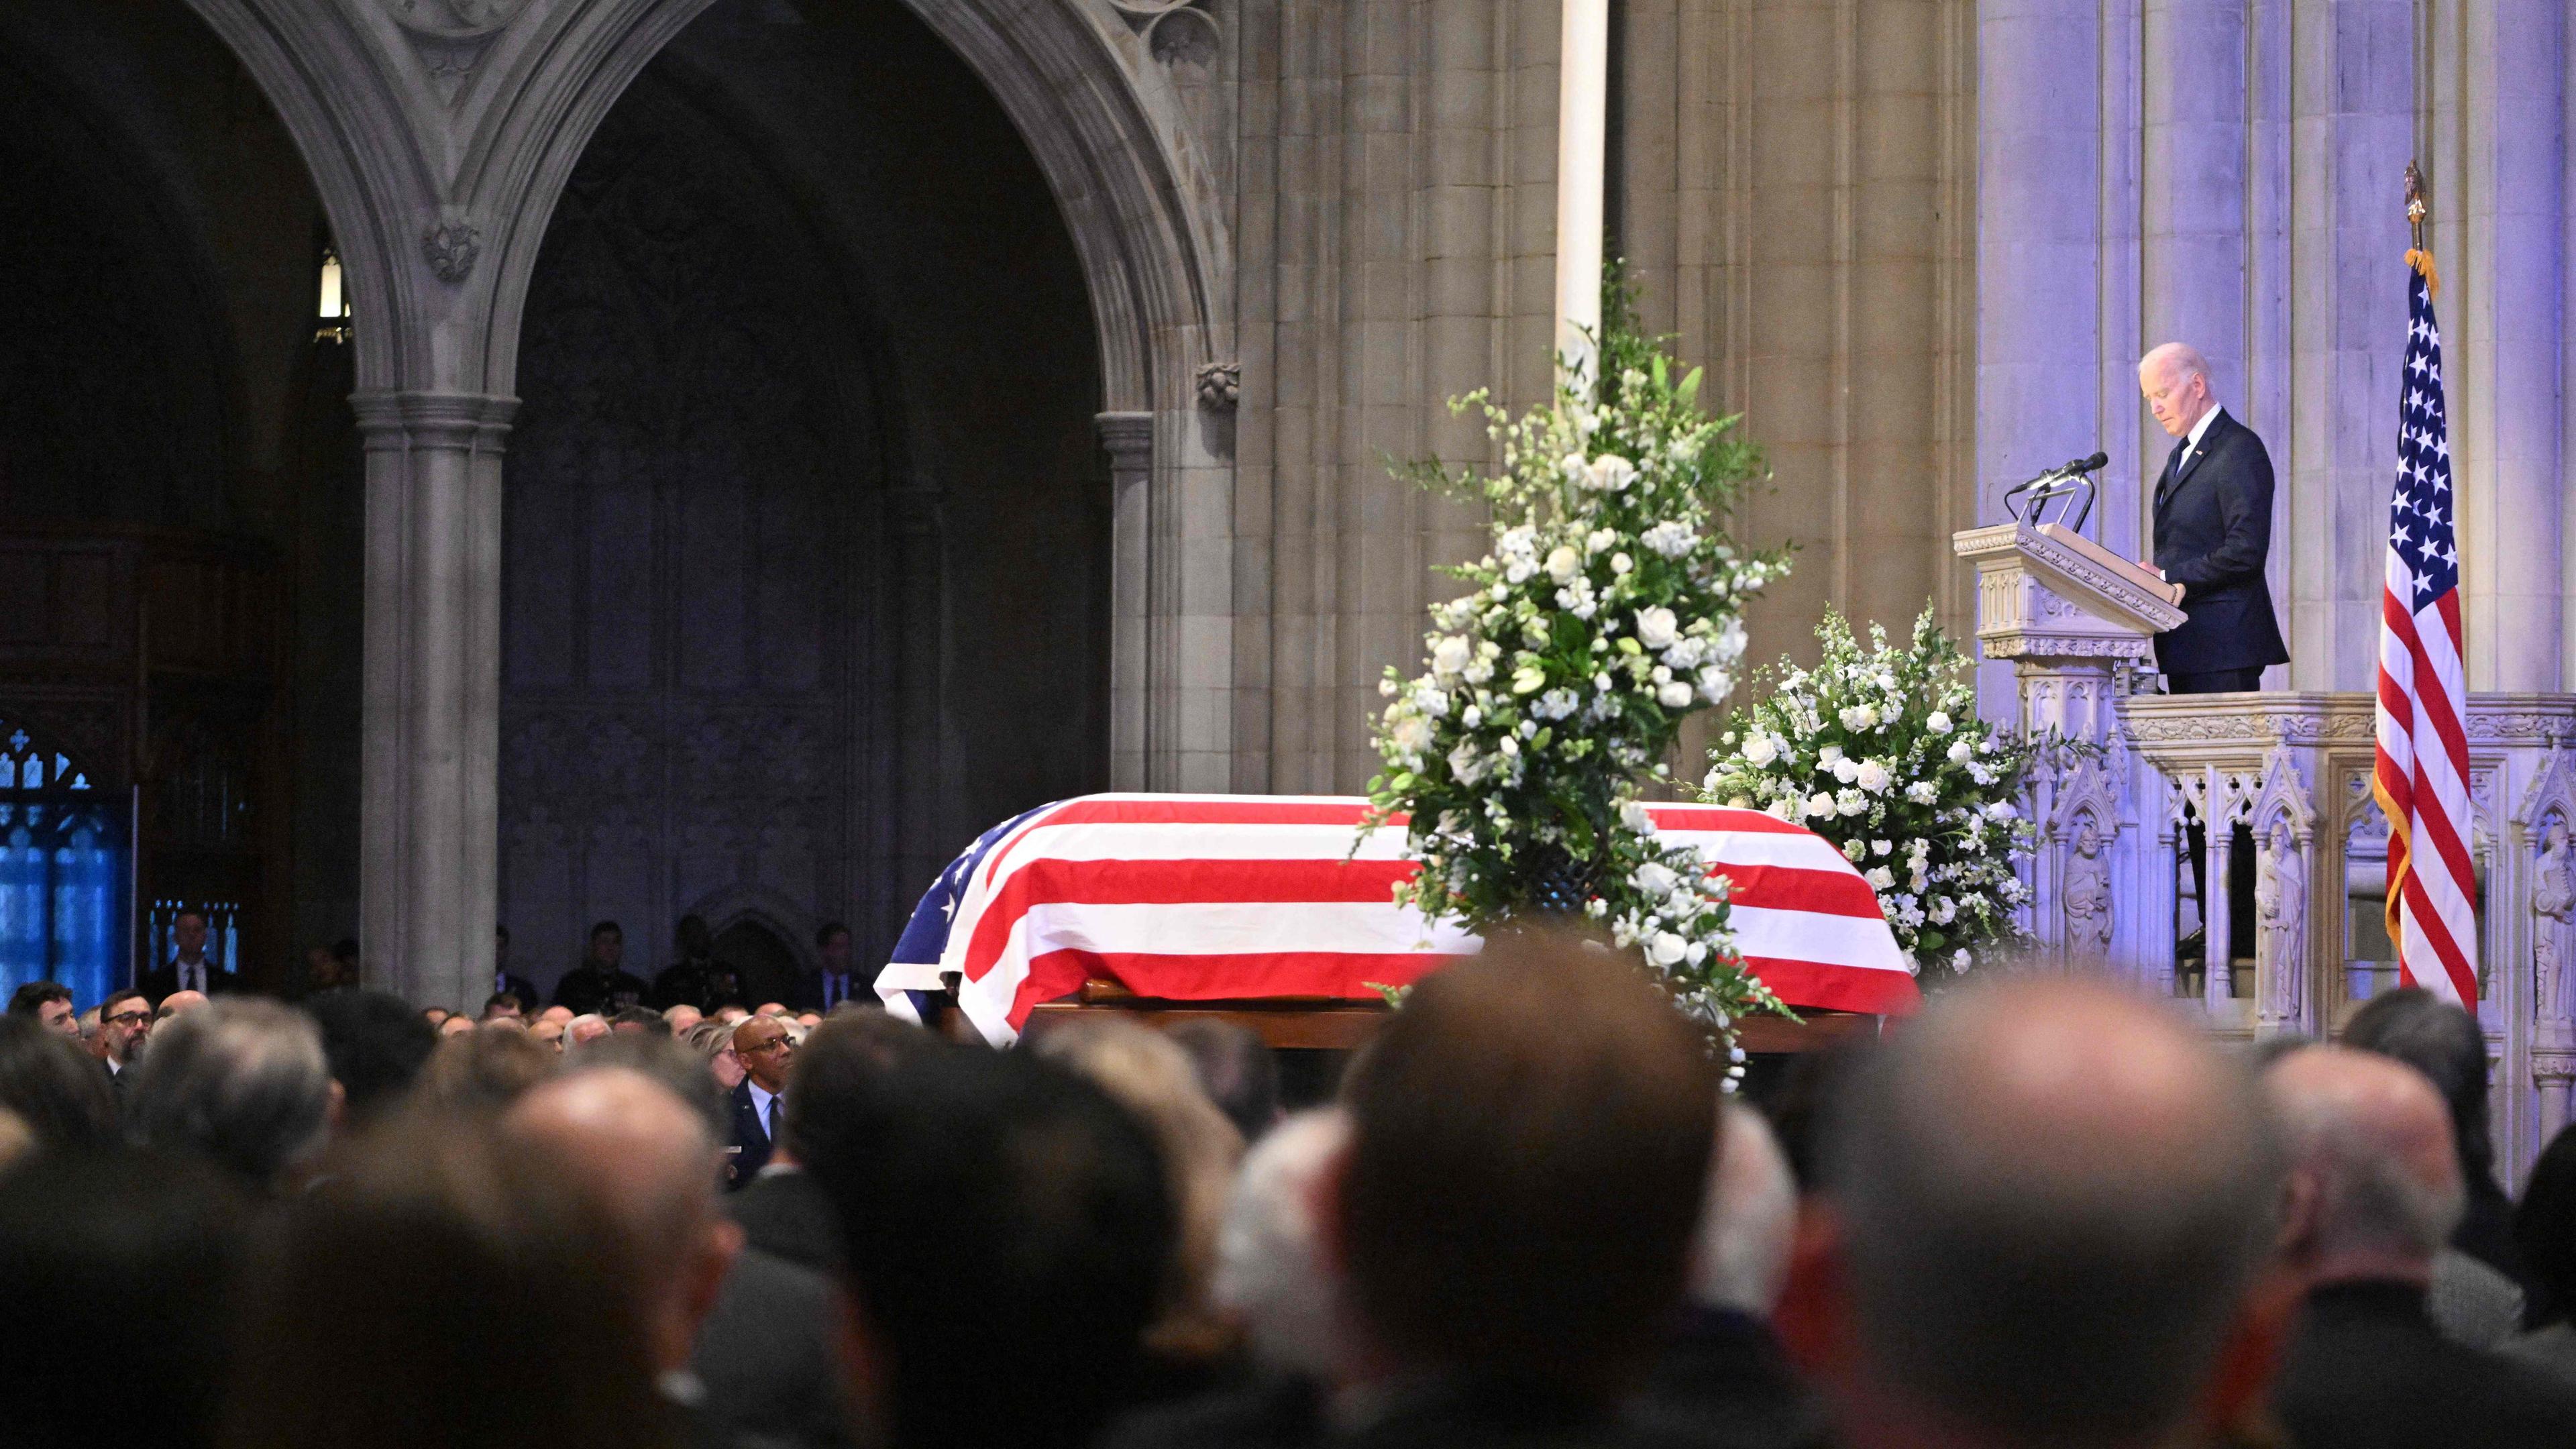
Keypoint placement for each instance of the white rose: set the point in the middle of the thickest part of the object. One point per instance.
(1873, 776)
(1782, 809)
(1937, 723)
(1759, 751)
(1655, 879)
(1610, 473)
(2001, 810)
(1845, 770)
(1943, 910)
(1730, 642)
(1825, 757)
(1620, 564)
(1667, 948)
(1636, 817)
(1715, 684)
(1563, 563)
(1881, 847)
(1859, 717)
(1820, 803)
(1674, 694)
(1451, 654)
(1656, 627)
(1412, 735)
(1881, 878)
(1960, 753)
(1959, 961)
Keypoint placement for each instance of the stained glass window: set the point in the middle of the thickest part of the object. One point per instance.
(64, 863)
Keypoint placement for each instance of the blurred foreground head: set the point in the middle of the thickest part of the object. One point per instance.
(402, 1303)
(987, 1199)
(116, 1264)
(2375, 1183)
(1530, 1140)
(242, 1081)
(1288, 1301)
(2049, 1209)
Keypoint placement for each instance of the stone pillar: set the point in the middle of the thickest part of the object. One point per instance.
(2218, 831)
(2554, 1073)
(432, 688)
(1128, 438)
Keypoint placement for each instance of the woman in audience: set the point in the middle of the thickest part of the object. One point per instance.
(1145, 1072)
(714, 1041)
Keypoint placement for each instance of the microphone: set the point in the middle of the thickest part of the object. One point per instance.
(2086, 465)
(2056, 483)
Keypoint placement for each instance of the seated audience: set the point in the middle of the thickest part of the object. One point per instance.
(118, 1270)
(782, 1210)
(242, 1082)
(2544, 1227)
(54, 1088)
(695, 977)
(1152, 1077)
(507, 983)
(992, 1199)
(481, 1075)
(1724, 1380)
(600, 985)
(447, 1288)
(376, 1045)
(2048, 1216)
(639, 1019)
(1530, 1143)
(501, 1006)
(50, 1003)
(2445, 1044)
(2375, 1191)
(713, 1040)
(1238, 1070)
(681, 1020)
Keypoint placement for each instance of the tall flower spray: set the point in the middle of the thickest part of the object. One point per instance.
(1553, 686)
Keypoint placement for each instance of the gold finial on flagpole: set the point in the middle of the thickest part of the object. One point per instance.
(2416, 257)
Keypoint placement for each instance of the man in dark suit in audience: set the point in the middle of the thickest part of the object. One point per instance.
(507, 983)
(836, 977)
(124, 1021)
(759, 1112)
(188, 969)
(600, 985)
(783, 1209)
(2374, 1191)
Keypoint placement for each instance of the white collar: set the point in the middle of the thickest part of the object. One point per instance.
(761, 1097)
(2192, 438)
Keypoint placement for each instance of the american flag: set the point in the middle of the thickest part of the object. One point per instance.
(1231, 897)
(2422, 771)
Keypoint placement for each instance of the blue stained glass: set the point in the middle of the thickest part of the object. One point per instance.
(63, 872)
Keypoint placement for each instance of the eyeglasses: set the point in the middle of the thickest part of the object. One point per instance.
(122, 1017)
(776, 1043)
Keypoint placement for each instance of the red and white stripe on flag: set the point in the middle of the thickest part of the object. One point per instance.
(1228, 897)
(2420, 775)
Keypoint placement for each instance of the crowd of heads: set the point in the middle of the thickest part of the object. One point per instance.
(2043, 1213)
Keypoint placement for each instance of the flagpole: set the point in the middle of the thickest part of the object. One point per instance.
(1582, 126)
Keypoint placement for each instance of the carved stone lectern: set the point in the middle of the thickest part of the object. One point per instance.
(2075, 619)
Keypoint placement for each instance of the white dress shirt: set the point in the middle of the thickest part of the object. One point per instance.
(760, 1100)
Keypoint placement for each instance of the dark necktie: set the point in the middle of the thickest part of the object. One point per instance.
(832, 989)
(773, 1119)
(2173, 464)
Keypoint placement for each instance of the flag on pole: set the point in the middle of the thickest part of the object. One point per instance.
(2421, 773)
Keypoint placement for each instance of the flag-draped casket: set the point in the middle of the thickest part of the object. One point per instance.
(1235, 897)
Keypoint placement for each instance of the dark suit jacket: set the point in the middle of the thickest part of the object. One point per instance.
(2213, 530)
(158, 983)
(519, 989)
(584, 991)
(1723, 1382)
(705, 985)
(2369, 1371)
(787, 1215)
(749, 1137)
(765, 1357)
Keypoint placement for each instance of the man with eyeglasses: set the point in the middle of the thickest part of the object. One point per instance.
(124, 1020)
(766, 1048)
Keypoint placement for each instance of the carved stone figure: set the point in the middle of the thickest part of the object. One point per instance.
(2553, 906)
(2280, 922)
(2087, 893)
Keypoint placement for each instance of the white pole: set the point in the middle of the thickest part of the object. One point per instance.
(1582, 126)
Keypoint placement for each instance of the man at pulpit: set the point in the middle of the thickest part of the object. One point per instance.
(2213, 532)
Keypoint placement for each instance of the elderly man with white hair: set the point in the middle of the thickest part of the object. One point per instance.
(2213, 531)
(2374, 1192)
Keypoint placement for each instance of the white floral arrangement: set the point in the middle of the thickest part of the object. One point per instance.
(1607, 612)
(1882, 753)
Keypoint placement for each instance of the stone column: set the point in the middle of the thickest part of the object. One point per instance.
(2218, 830)
(432, 688)
(1128, 438)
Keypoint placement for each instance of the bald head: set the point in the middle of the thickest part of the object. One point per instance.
(646, 1158)
(2376, 1179)
(2054, 1199)
(2174, 379)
